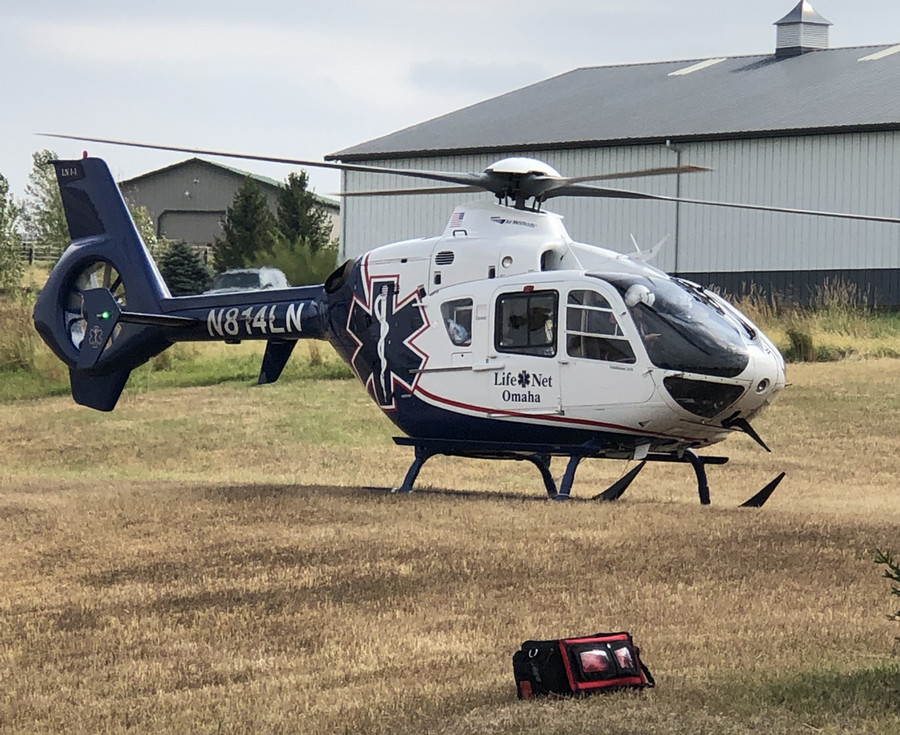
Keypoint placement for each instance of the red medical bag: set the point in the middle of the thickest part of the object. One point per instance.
(579, 666)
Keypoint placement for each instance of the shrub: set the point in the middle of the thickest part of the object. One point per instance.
(802, 347)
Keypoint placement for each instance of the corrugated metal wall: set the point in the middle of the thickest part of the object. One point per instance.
(850, 173)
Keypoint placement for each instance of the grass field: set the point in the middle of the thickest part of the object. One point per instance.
(205, 560)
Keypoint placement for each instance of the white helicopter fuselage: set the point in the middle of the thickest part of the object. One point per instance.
(521, 326)
(502, 338)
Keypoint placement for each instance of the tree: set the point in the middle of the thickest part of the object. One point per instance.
(43, 215)
(183, 270)
(891, 572)
(146, 228)
(249, 228)
(300, 217)
(300, 263)
(11, 264)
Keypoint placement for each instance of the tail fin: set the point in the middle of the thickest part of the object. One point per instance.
(107, 267)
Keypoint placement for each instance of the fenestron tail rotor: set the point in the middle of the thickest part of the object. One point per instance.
(96, 274)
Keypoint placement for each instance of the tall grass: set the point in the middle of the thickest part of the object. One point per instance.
(18, 340)
(839, 321)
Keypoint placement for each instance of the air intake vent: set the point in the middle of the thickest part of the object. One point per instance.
(700, 397)
(445, 257)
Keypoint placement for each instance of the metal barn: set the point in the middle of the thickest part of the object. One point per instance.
(806, 127)
(188, 200)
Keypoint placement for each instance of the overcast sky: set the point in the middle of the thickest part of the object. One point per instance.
(306, 79)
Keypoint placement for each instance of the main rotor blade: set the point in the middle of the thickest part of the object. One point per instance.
(665, 171)
(451, 177)
(423, 190)
(583, 190)
(534, 184)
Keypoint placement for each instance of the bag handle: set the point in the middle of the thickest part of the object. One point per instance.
(651, 682)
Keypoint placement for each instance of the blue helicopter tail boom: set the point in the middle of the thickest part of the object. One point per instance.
(106, 309)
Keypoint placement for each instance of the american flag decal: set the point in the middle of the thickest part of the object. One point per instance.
(456, 219)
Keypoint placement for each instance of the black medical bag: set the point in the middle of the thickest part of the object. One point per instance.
(579, 666)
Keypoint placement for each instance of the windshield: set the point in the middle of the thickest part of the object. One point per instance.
(236, 279)
(682, 326)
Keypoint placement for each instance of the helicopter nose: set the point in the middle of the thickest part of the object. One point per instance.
(768, 379)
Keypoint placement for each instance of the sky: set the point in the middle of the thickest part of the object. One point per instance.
(306, 79)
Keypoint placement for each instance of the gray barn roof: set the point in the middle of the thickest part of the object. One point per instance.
(264, 180)
(828, 90)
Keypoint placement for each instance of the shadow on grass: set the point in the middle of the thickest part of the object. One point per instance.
(865, 700)
(825, 695)
(252, 492)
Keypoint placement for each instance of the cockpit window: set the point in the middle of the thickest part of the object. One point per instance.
(457, 316)
(526, 323)
(682, 327)
(592, 330)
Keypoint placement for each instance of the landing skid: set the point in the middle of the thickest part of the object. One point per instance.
(539, 455)
(425, 451)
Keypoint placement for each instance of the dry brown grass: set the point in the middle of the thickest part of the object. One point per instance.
(204, 560)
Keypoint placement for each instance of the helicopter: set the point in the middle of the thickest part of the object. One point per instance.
(500, 338)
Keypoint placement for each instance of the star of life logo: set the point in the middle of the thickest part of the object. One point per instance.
(385, 327)
(95, 337)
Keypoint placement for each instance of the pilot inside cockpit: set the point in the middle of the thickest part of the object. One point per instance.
(637, 297)
(683, 327)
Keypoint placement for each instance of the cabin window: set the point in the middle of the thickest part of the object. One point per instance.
(592, 330)
(457, 316)
(526, 323)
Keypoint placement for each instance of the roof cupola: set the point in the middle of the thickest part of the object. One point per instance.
(801, 30)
